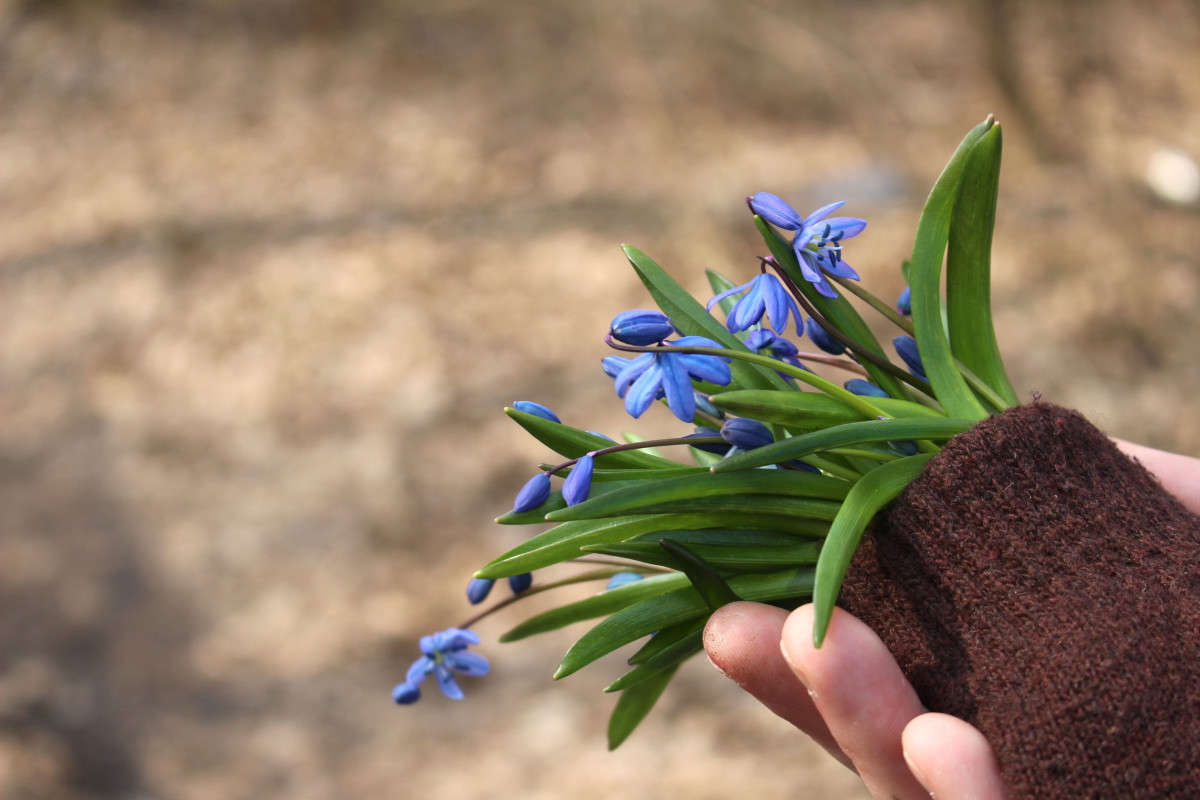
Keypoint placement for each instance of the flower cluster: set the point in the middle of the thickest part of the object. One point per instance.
(442, 654)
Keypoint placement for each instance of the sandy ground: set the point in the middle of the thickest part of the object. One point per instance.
(268, 277)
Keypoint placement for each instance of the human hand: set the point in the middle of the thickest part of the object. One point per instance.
(851, 697)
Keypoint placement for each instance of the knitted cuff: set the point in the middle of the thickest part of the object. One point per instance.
(1041, 585)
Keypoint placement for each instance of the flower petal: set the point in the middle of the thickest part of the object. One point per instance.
(776, 211)
(537, 409)
(533, 493)
(822, 212)
(641, 327)
(467, 663)
(775, 299)
(906, 346)
(678, 387)
(746, 433)
(612, 365)
(748, 310)
(575, 488)
(865, 388)
(478, 590)
(622, 578)
(808, 265)
(446, 682)
(727, 293)
(824, 340)
(904, 304)
(706, 368)
(405, 694)
(419, 670)
(846, 226)
(840, 269)
(632, 371)
(644, 390)
(519, 583)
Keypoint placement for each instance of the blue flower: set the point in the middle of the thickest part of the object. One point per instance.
(818, 240)
(641, 327)
(442, 653)
(478, 590)
(666, 374)
(745, 433)
(864, 388)
(822, 339)
(904, 304)
(622, 578)
(776, 346)
(519, 583)
(537, 409)
(533, 493)
(906, 346)
(575, 488)
(718, 449)
(765, 294)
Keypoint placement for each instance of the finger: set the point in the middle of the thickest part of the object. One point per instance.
(862, 695)
(742, 640)
(952, 759)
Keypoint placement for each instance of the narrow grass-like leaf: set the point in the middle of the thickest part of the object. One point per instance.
(573, 443)
(672, 656)
(738, 537)
(634, 704)
(643, 496)
(739, 557)
(706, 580)
(876, 489)
(837, 310)
(929, 249)
(673, 608)
(639, 474)
(808, 410)
(666, 639)
(841, 436)
(693, 320)
(796, 508)
(968, 267)
(607, 602)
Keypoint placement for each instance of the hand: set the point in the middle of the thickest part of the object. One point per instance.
(851, 697)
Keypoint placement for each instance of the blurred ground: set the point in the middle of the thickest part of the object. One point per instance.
(269, 272)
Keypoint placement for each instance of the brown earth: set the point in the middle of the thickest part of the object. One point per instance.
(269, 272)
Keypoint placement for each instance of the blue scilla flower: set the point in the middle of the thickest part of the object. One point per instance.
(537, 409)
(478, 590)
(864, 388)
(906, 346)
(519, 583)
(640, 327)
(577, 485)
(818, 240)
(765, 294)
(745, 433)
(622, 578)
(716, 448)
(904, 304)
(533, 493)
(822, 339)
(442, 652)
(776, 346)
(666, 374)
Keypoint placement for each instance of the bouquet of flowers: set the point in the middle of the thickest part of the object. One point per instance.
(1027, 576)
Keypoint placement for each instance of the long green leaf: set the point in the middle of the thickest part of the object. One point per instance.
(925, 273)
(835, 309)
(634, 704)
(607, 602)
(705, 579)
(666, 639)
(968, 267)
(740, 557)
(693, 320)
(800, 508)
(672, 656)
(740, 536)
(643, 496)
(876, 489)
(675, 607)
(573, 443)
(840, 436)
(807, 410)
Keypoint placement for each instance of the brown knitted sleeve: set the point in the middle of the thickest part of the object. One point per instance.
(1041, 585)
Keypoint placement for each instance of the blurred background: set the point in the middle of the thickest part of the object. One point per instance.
(269, 271)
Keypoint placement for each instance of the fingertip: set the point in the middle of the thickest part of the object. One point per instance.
(737, 634)
(951, 758)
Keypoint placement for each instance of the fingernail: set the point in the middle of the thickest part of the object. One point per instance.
(716, 666)
(797, 670)
(916, 772)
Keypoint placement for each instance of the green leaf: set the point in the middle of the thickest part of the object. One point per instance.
(876, 489)
(672, 656)
(796, 508)
(880, 430)
(807, 410)
(672, 608)
(645, 496)
(933, 232)
(706, 580)
(634, 704)
(837, 310)
(573, 443)
(666, 639)
(738, 537)
(693, 320)
(968, 267)
(738, 557)
(606, 602)
(704, 458)
(639, 474)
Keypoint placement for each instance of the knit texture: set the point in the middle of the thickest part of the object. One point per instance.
(1041, 585)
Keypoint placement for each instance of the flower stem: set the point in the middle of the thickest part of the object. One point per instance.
(583, 577)
(645, 443)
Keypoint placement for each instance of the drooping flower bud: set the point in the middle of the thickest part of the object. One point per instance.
(716, 448)
(904, 304)
(406, 693)
(641, 327)
(519, 583)
(533, 493)
(537, 409)
(478, 590)
(906, 346)
(746, 433)
(865, 388)
(577, 485)
(822, 338)
(775, 210)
